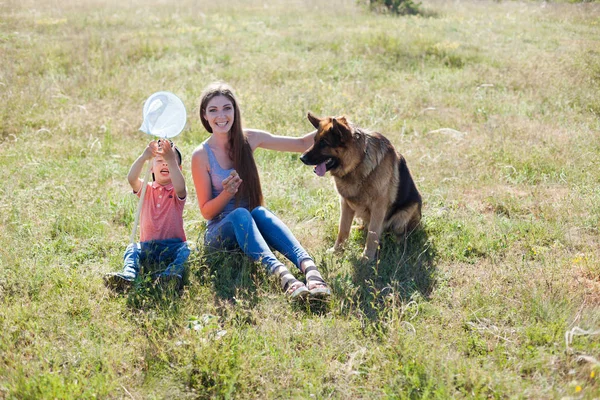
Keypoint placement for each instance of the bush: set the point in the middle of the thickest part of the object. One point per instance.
(400, 7)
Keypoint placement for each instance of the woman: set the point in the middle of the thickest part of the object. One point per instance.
(230, 197)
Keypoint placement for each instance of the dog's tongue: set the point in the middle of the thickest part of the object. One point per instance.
(320, 169)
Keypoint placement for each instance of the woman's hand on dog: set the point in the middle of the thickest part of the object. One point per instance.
(232, 183)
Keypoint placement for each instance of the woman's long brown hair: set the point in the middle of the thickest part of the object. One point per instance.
(240, 151)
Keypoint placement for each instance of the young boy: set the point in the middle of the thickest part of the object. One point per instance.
(162, 238)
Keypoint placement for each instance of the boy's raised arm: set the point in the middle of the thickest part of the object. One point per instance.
(136, 168)
(177, 179)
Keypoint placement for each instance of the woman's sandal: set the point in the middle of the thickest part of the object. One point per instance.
(295, 290)
(319, 290)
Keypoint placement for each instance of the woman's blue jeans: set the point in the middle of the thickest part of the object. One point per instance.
(171, 252)
(254, 231)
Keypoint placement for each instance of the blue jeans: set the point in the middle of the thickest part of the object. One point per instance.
(171, 252)
(254, 231)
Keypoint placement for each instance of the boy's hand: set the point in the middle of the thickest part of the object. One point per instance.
(167, 150)
(151, 150)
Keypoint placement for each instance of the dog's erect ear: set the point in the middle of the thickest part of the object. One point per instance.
(341, 128)
(313, 120)
(342, 120)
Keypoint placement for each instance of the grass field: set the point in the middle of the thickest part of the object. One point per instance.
(496, 107)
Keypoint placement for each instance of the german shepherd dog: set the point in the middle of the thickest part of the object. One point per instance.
(371, 178)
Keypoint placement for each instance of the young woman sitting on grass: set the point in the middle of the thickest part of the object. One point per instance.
(230, 196)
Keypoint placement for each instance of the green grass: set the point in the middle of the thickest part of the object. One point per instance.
(495, 105)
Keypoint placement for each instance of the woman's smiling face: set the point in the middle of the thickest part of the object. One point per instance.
(220, 114)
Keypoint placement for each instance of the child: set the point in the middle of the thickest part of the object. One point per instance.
(162, 238)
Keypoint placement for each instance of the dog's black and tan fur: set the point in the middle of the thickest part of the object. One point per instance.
(371, 177)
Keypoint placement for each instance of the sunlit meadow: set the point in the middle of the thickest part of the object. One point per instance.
(496, 107)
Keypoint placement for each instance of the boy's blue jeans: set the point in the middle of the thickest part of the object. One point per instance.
(254, 231)
(171, 252)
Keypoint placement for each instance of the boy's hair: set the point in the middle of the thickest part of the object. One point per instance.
(178, 154)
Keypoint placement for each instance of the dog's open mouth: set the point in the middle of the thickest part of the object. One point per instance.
(320, 169)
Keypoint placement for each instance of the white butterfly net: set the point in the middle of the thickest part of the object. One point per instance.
(164, 115)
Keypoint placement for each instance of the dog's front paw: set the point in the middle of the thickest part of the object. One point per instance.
(367, 257)
(335, 250)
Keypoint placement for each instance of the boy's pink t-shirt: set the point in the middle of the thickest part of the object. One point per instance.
(162, 213)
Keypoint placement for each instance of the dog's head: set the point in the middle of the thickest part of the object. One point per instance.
(331, 140)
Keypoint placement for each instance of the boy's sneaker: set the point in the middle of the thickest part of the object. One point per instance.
(117, 282)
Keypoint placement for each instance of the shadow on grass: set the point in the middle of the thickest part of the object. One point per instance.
(231, 274)
(404, 271)
(234, 276)
(147, 293)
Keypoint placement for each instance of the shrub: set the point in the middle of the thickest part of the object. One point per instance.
(400, 7)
